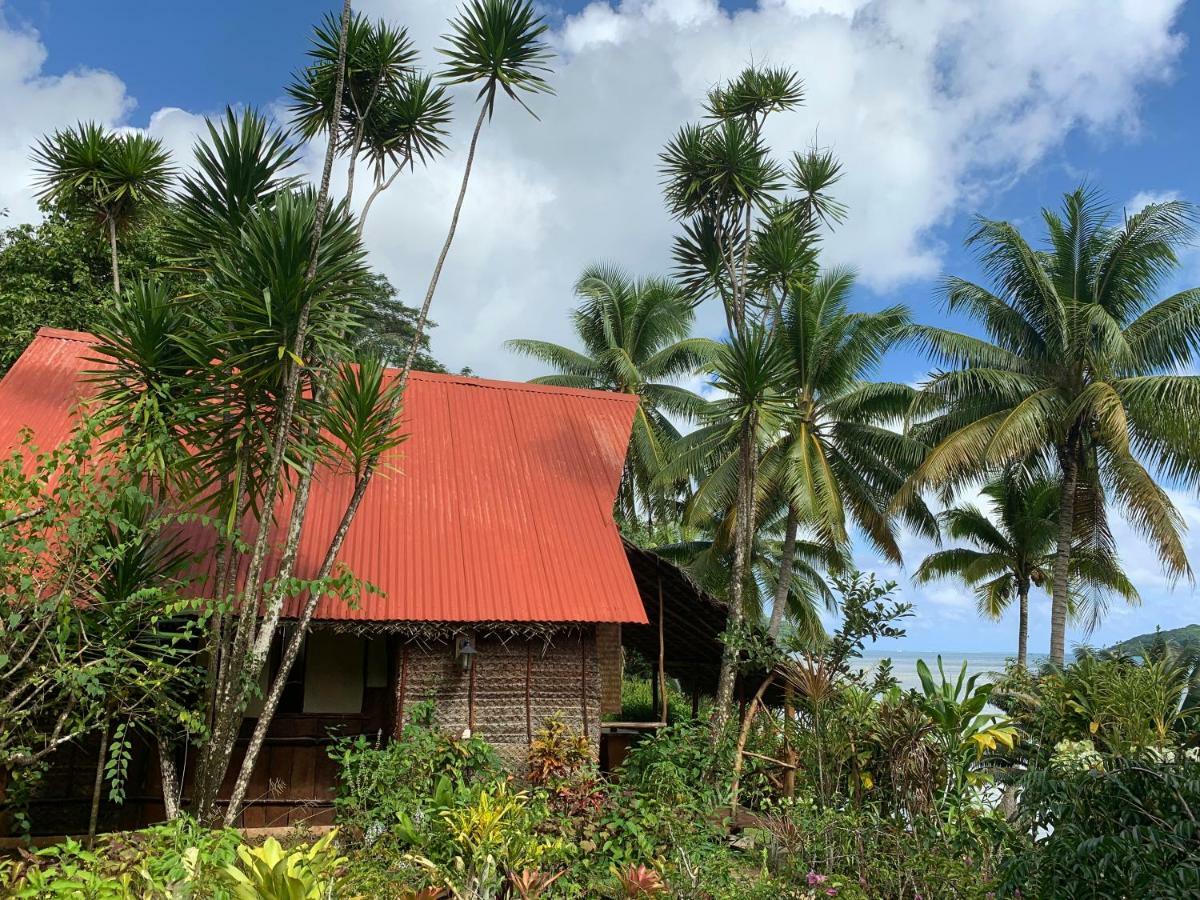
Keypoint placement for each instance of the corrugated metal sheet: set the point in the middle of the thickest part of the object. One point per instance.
(497, 508)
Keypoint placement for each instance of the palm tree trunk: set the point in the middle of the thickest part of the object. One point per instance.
(1062, 558)
(1023, 625)
(743, 537)
(786, 564)
(437, 269)
(112, 247)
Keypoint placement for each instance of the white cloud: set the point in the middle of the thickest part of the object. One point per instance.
(32, 104)
(1142, 199)
(930, 104)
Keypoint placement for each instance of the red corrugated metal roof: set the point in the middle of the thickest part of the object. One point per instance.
(497, 508)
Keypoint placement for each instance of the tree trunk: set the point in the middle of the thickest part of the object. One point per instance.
(786, 564)
(378, 189)
(112, 247)
(441, 261)
(292, 651)
(739, 753)
(743, 537)
(1062, 558)
(1023, 624)
(98, 786)
(170, 778)
(232, 675)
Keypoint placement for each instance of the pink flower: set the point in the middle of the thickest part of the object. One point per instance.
(832, 892)
(814, 878)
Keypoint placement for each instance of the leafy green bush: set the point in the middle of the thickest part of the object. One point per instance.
(379, 782)
(1125, 827)
(179, 860)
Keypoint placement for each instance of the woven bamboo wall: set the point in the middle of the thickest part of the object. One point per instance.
(514, 685)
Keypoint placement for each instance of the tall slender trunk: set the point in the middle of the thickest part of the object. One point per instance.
(292, 650)
(112, 248)
(236, 671)
(743, 540)
(378, 189)
(98, 785)
(441, 261)
(1023, 623)
(786, 564)
(170, 778)
(1062, 558)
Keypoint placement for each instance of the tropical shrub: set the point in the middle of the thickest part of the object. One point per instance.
(1118, 826)
(269, 872)
(378, 782)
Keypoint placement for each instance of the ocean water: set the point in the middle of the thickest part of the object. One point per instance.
(904, 663)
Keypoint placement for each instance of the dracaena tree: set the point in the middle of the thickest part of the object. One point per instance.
(114, 180)
(392, 115)
(497, 45)
(737, 206)
(1080, 368)
(636, 337)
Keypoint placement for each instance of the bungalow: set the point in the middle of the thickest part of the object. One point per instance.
(506, 594)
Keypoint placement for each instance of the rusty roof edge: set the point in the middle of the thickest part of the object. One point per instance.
(497, 384)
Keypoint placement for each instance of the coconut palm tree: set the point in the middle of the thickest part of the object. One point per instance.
(828, 458)
(636, 337)
(1013, 550)
(116, 179)
(496, 44)
(1080, 368)
(706, 553)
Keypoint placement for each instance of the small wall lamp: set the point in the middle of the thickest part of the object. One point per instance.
(464, 651)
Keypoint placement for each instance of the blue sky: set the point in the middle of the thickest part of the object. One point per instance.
(941, 109)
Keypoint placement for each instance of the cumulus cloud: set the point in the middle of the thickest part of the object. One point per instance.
(929, 104)
(32, 103)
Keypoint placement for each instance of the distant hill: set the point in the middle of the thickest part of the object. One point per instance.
(1188, 635)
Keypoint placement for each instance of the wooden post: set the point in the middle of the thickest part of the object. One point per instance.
(401, 687)
(696, 700)
(471, 694)
(740, 752)
(583, 685)
(662, 655)
(528, 692)
(789, 755)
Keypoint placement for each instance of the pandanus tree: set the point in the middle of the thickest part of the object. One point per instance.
(392, 115)
(1080, 367)
(1011, 550)
(113, 179)
(636, 339)
(721, 181)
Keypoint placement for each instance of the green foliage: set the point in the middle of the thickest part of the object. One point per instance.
(498, 44)
(179, 860)
(271, 873)
(95, 625)
(377, 784)
(1127, 829)
(56, 274)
